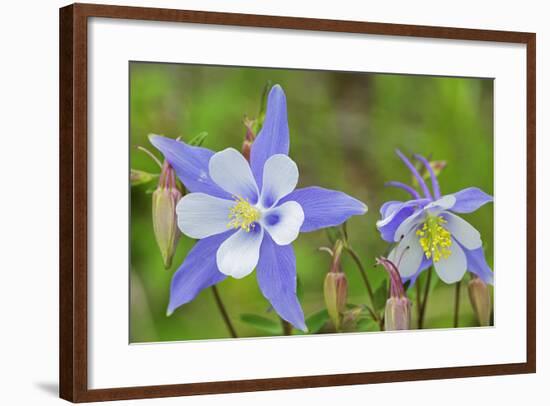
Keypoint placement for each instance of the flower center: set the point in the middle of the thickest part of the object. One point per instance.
(243, 215)
(434, 239)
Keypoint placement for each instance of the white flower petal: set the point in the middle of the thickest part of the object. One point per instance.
(201, 215)
(283, 222)
(231, 171)
(239, 254)
(279, 179)
(408, 224)
(463, 231)
(444, 203)
(407, 255)
(452, 269)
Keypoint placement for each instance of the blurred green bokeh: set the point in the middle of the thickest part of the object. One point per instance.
(344, 128)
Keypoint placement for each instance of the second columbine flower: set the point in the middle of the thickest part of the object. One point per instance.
(428, 232)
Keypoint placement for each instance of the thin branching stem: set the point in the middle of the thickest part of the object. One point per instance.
(457, 303)
(418, 302)
(223, 311)
(287, 328)
(363, 273)
(150, 154)
(371, 312)
(425, 299)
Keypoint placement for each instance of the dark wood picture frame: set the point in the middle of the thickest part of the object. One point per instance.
(73, 362)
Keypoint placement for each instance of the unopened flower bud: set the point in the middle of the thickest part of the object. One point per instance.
(351, 317)
(336, 288)
(436, 166)
(165, 199)
(397, 314)
(248, 138)
(480, 298)
(138, 177)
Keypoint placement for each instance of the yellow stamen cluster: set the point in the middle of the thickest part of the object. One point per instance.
(434, 239)
(243, 215)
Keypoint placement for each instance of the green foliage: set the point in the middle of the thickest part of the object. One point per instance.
(198, 140)
(262, 323)
(380, 297)
(367, 324)
(317, 321)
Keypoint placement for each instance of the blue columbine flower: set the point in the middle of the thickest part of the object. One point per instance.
(246, 215)
(427, 231)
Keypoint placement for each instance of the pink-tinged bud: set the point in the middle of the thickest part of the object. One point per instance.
(351, 317)
(437, 167)
(397, 315)
(248, 138)
(480, 298)
(336, 288)
(165, 199)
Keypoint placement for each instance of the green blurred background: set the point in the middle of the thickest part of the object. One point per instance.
(344, 128)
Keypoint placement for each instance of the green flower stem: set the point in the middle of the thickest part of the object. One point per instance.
(425, 299)
(151, 155)
(223, 311)
(418, 302)
(287, 328)
(457, 303)
(370, 292)
(371, 312)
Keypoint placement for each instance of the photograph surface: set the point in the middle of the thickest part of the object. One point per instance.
(282, 202)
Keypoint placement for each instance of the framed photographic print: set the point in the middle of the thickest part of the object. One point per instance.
(254, 202)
